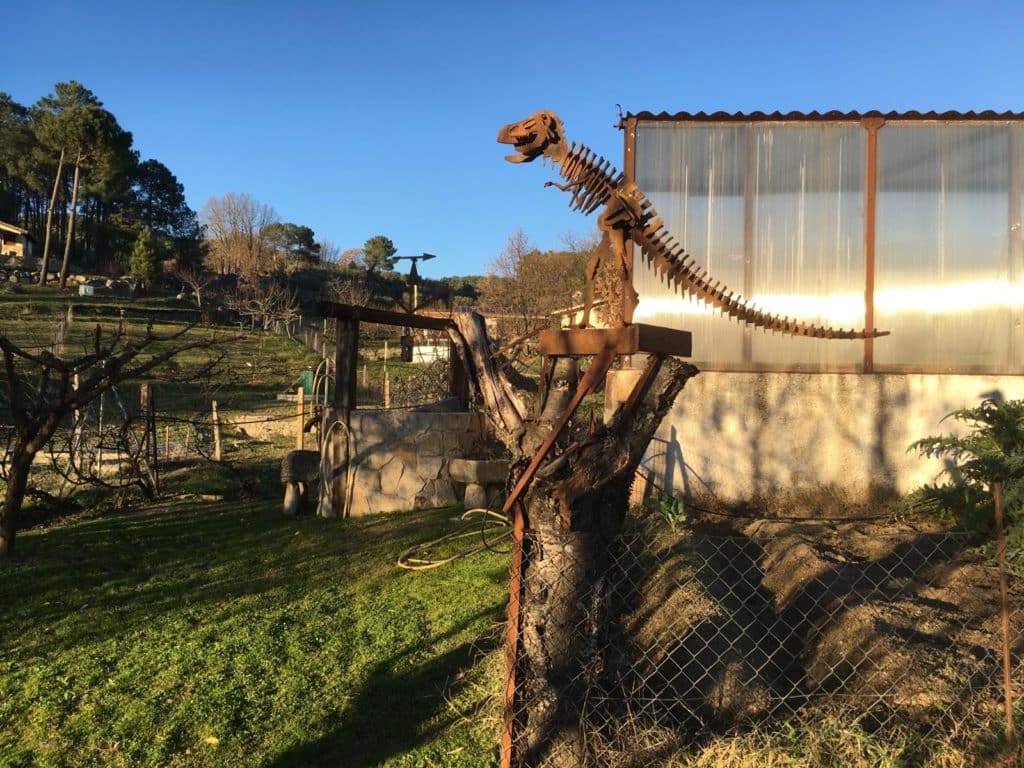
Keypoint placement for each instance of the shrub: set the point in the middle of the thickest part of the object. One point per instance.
(992, 451)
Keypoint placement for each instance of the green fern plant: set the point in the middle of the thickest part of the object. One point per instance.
(992, 451)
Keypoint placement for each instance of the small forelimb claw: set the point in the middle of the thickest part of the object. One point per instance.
(562, 187)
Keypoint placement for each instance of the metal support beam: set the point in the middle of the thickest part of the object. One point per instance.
(872, 125)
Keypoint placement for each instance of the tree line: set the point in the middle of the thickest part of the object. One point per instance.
(70, 175)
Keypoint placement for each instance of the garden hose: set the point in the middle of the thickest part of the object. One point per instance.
(414, 559)
(350, 479)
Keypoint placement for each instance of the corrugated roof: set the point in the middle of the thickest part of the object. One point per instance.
(835, 114)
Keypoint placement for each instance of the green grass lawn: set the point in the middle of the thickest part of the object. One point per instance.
(195, 633)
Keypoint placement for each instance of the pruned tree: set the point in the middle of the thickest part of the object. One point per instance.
(330, 252)
(40, 394)
(575, 500)
(348, 290)
(195, 278)
(263, 303)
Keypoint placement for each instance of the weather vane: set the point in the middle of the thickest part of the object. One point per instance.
(414, 277)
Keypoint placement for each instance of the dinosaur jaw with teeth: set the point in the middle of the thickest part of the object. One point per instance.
(526, 144)
(540, 134)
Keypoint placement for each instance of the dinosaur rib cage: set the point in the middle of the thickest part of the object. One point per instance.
(593, 180)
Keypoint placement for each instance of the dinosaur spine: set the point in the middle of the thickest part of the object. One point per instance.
(593, 182)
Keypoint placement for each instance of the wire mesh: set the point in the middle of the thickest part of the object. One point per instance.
(645, 649)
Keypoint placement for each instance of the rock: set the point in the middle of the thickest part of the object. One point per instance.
(476, 496)
(479, 472)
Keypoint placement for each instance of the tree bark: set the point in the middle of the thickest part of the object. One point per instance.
(574, 510)
(71, 224)
(45, 263)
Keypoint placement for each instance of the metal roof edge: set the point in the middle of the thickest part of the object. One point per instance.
(830, 115)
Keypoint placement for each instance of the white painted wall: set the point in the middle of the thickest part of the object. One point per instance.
(740, 435)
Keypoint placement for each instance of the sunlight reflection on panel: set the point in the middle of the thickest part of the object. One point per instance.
(776, 212)
(846, 308)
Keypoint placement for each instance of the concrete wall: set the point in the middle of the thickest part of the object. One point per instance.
(742, 435)
(402, 455)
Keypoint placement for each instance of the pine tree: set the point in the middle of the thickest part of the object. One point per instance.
(142, 262)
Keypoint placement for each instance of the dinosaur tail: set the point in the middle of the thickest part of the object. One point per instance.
(671, 261)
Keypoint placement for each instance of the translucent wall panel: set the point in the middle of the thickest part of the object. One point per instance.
(694, 175)
(946, 281)
(808, 238)
(792, 196)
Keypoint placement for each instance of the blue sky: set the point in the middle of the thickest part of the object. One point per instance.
(359, 119)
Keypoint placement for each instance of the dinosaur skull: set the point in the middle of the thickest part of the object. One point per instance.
(539, 134)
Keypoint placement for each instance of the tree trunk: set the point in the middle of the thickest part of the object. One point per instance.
(71, 224)
(45, 263)
(17, 483)
(574, 510)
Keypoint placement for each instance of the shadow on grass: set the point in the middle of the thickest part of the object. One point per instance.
(125, 571)
(396, 711)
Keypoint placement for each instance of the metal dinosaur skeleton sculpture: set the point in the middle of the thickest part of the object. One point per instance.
(628, 214)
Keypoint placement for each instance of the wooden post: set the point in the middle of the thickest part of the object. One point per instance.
(300, 412)
(76, 432)
(346, 358)
(99, 441)
(387, 389)
(154, 439)
(1011, 735)
(216, 432)
(144, 414)
(458, 381)
(167, 441)
(366, 376)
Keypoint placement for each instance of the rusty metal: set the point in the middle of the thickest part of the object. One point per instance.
(872, 125)
(593, 183)
(515, 590)
(832, 116)
(1004, 599)
(749, 191)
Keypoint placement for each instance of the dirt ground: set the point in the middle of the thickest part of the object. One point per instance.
(735, 624)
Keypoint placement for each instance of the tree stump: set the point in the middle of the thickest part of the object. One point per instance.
(571, 514)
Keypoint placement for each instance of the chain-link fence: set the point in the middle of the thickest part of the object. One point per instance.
(735, 645)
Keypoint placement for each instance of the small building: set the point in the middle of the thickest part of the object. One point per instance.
(905, 222)
(15, 242)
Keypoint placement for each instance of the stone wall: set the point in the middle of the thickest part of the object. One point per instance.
(402, 455)
(743, 435)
